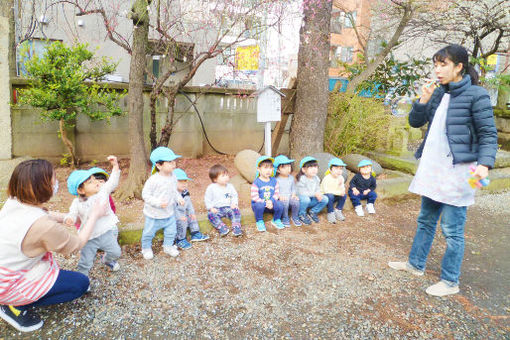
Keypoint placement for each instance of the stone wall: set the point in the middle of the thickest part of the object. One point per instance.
(229, 118)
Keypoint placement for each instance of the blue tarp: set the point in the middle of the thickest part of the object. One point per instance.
(345, 81)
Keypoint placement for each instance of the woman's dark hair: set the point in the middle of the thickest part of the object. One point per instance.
(308, 164)
(457, 54)
(217, 170)
(31, 183)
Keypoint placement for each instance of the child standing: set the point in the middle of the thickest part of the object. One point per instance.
(221, 200)
(362, 187)
(83, 184)
(265, 194)
(185, 214)
(288, 193)
(160, 194)
(309, 191)
(333, 187)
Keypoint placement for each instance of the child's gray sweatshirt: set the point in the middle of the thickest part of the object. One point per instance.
(308, 186)
(287, 186)
(217, 196)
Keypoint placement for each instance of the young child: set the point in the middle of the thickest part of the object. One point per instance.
(288, 194)
(333, 187)
(265, 193)
(160, 194)
(309, 191)
(221, 200)
(83, 184)
(185, 214)
(362, 187)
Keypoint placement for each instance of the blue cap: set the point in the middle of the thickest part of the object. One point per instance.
(336, 162)
(181, 175)
(306, 160)
(96, 170)
(162, 154)
(76, 178)
(281, 160)
(364, 162)
(264, 158)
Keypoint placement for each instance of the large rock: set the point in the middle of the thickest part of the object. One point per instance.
(352, 161)
(245, 162)
(323, 159)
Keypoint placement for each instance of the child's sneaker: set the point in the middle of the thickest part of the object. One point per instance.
(223, 230)
(113, 265)
(370, 208)
(261, 226)
(236, 230)
(359, 210)
(297, 222)
(171, 250)
(305, 219)
(198, 237)
(286, 224)
(183, 244)
(277, 224)
(23, 321)
(313, 216)
(339, 215)
(331, 217)
(147, 254)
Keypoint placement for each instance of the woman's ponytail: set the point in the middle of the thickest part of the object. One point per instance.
(472, 73)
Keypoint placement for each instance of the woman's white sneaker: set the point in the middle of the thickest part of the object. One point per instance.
(442, 289)
(405, 266)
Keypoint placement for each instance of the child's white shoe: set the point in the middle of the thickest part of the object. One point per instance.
(359, 210)
(147, 254)
(339, 215)
(331, 217)
(370, 208)
(171, 250)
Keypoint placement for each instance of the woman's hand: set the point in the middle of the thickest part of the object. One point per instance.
(426, 92)
(481, 171)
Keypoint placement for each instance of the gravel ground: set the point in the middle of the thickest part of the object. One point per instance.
(322, 281)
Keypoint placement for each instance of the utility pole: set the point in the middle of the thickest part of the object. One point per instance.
(7, 70)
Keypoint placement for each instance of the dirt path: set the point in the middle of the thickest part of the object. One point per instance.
(322, 281)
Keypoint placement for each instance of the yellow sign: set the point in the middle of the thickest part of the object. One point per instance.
(247, 58)
(492, 60)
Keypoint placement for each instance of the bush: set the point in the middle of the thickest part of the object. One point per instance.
(355, 124)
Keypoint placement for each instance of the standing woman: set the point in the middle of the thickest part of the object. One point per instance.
(29, 276)
(461, 133)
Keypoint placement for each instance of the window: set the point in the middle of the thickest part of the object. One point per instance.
(337, 18)
(335, 55)
(350, 19)
(347, 54)
(35, 47)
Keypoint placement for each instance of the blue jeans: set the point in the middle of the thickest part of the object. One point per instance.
(152, 225)
(68, 286)
(453, 220)
(294, 207)
(332, 199)
(356, 199)
(313, 203)
(259, 208)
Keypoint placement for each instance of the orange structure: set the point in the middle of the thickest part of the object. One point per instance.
(350, 25)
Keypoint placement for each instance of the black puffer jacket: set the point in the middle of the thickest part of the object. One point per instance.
(470, 126)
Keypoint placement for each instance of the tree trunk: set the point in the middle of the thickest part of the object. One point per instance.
(67, 143)
(138, 168)
(166, 132)
(309, 121)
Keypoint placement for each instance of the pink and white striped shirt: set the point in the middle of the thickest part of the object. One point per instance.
(23, 279)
